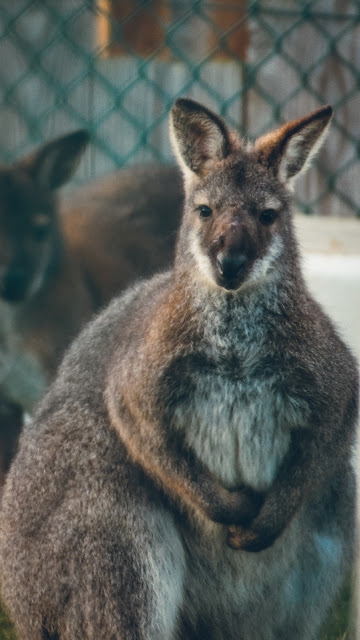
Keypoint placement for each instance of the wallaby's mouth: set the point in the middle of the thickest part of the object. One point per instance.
(231, 270)
(231, 284)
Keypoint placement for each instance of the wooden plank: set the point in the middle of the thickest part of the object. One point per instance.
(103, 26)
(134, 29)
(127, 27)
(228, 19)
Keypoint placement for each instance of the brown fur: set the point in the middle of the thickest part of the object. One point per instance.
(189, 474)
(96, 241)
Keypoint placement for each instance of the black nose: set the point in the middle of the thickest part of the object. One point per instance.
(13, 285)
(230, 265)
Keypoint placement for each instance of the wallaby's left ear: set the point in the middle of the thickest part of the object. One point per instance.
(199, 137)
(288, 150)
(54, 163)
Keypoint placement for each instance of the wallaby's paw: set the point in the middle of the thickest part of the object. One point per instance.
(238, 507)
(247, 505)
(235, 536)
(248, 540)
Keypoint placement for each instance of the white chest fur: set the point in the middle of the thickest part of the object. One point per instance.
(240, 431)
(239, 421)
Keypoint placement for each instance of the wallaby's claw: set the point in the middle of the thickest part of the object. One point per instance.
(248, 540)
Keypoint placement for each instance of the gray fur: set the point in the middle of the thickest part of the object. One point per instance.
(62, 260)
(188, 476)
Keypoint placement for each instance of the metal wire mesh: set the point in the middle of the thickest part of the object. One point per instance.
(115, 67)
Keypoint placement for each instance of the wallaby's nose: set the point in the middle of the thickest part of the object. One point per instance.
(13, 285)
(230, 264)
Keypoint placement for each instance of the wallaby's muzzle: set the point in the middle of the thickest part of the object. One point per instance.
(232, 254)
(231, 266)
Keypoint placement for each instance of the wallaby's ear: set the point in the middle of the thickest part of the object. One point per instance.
(54, 163)
(199, 137)
(288, 150)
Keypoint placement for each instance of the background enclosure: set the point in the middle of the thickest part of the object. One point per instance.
(115, 66)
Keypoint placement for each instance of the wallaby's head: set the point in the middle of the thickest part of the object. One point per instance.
(237, 218)
(29, 229)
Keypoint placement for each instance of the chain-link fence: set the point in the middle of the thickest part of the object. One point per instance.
(115, 67)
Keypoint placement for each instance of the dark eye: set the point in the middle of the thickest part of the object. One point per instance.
(204, 211)
(40, 232)
(268, 216)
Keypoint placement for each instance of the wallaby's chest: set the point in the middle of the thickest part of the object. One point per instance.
(238, 425)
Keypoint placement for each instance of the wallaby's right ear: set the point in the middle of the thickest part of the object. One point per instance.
(199, 137)
(288, 150)
(54, 163)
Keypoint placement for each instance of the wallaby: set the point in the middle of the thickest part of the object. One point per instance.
(62, 261)
(188, 476)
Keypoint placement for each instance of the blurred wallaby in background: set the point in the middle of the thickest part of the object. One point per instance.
(188, 475)
(61, 262)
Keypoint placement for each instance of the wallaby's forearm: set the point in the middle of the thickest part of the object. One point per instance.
(283, 499)
(174, 467)
(303, 470)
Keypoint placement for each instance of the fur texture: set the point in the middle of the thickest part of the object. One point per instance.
(188, 476)
(61, 261)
